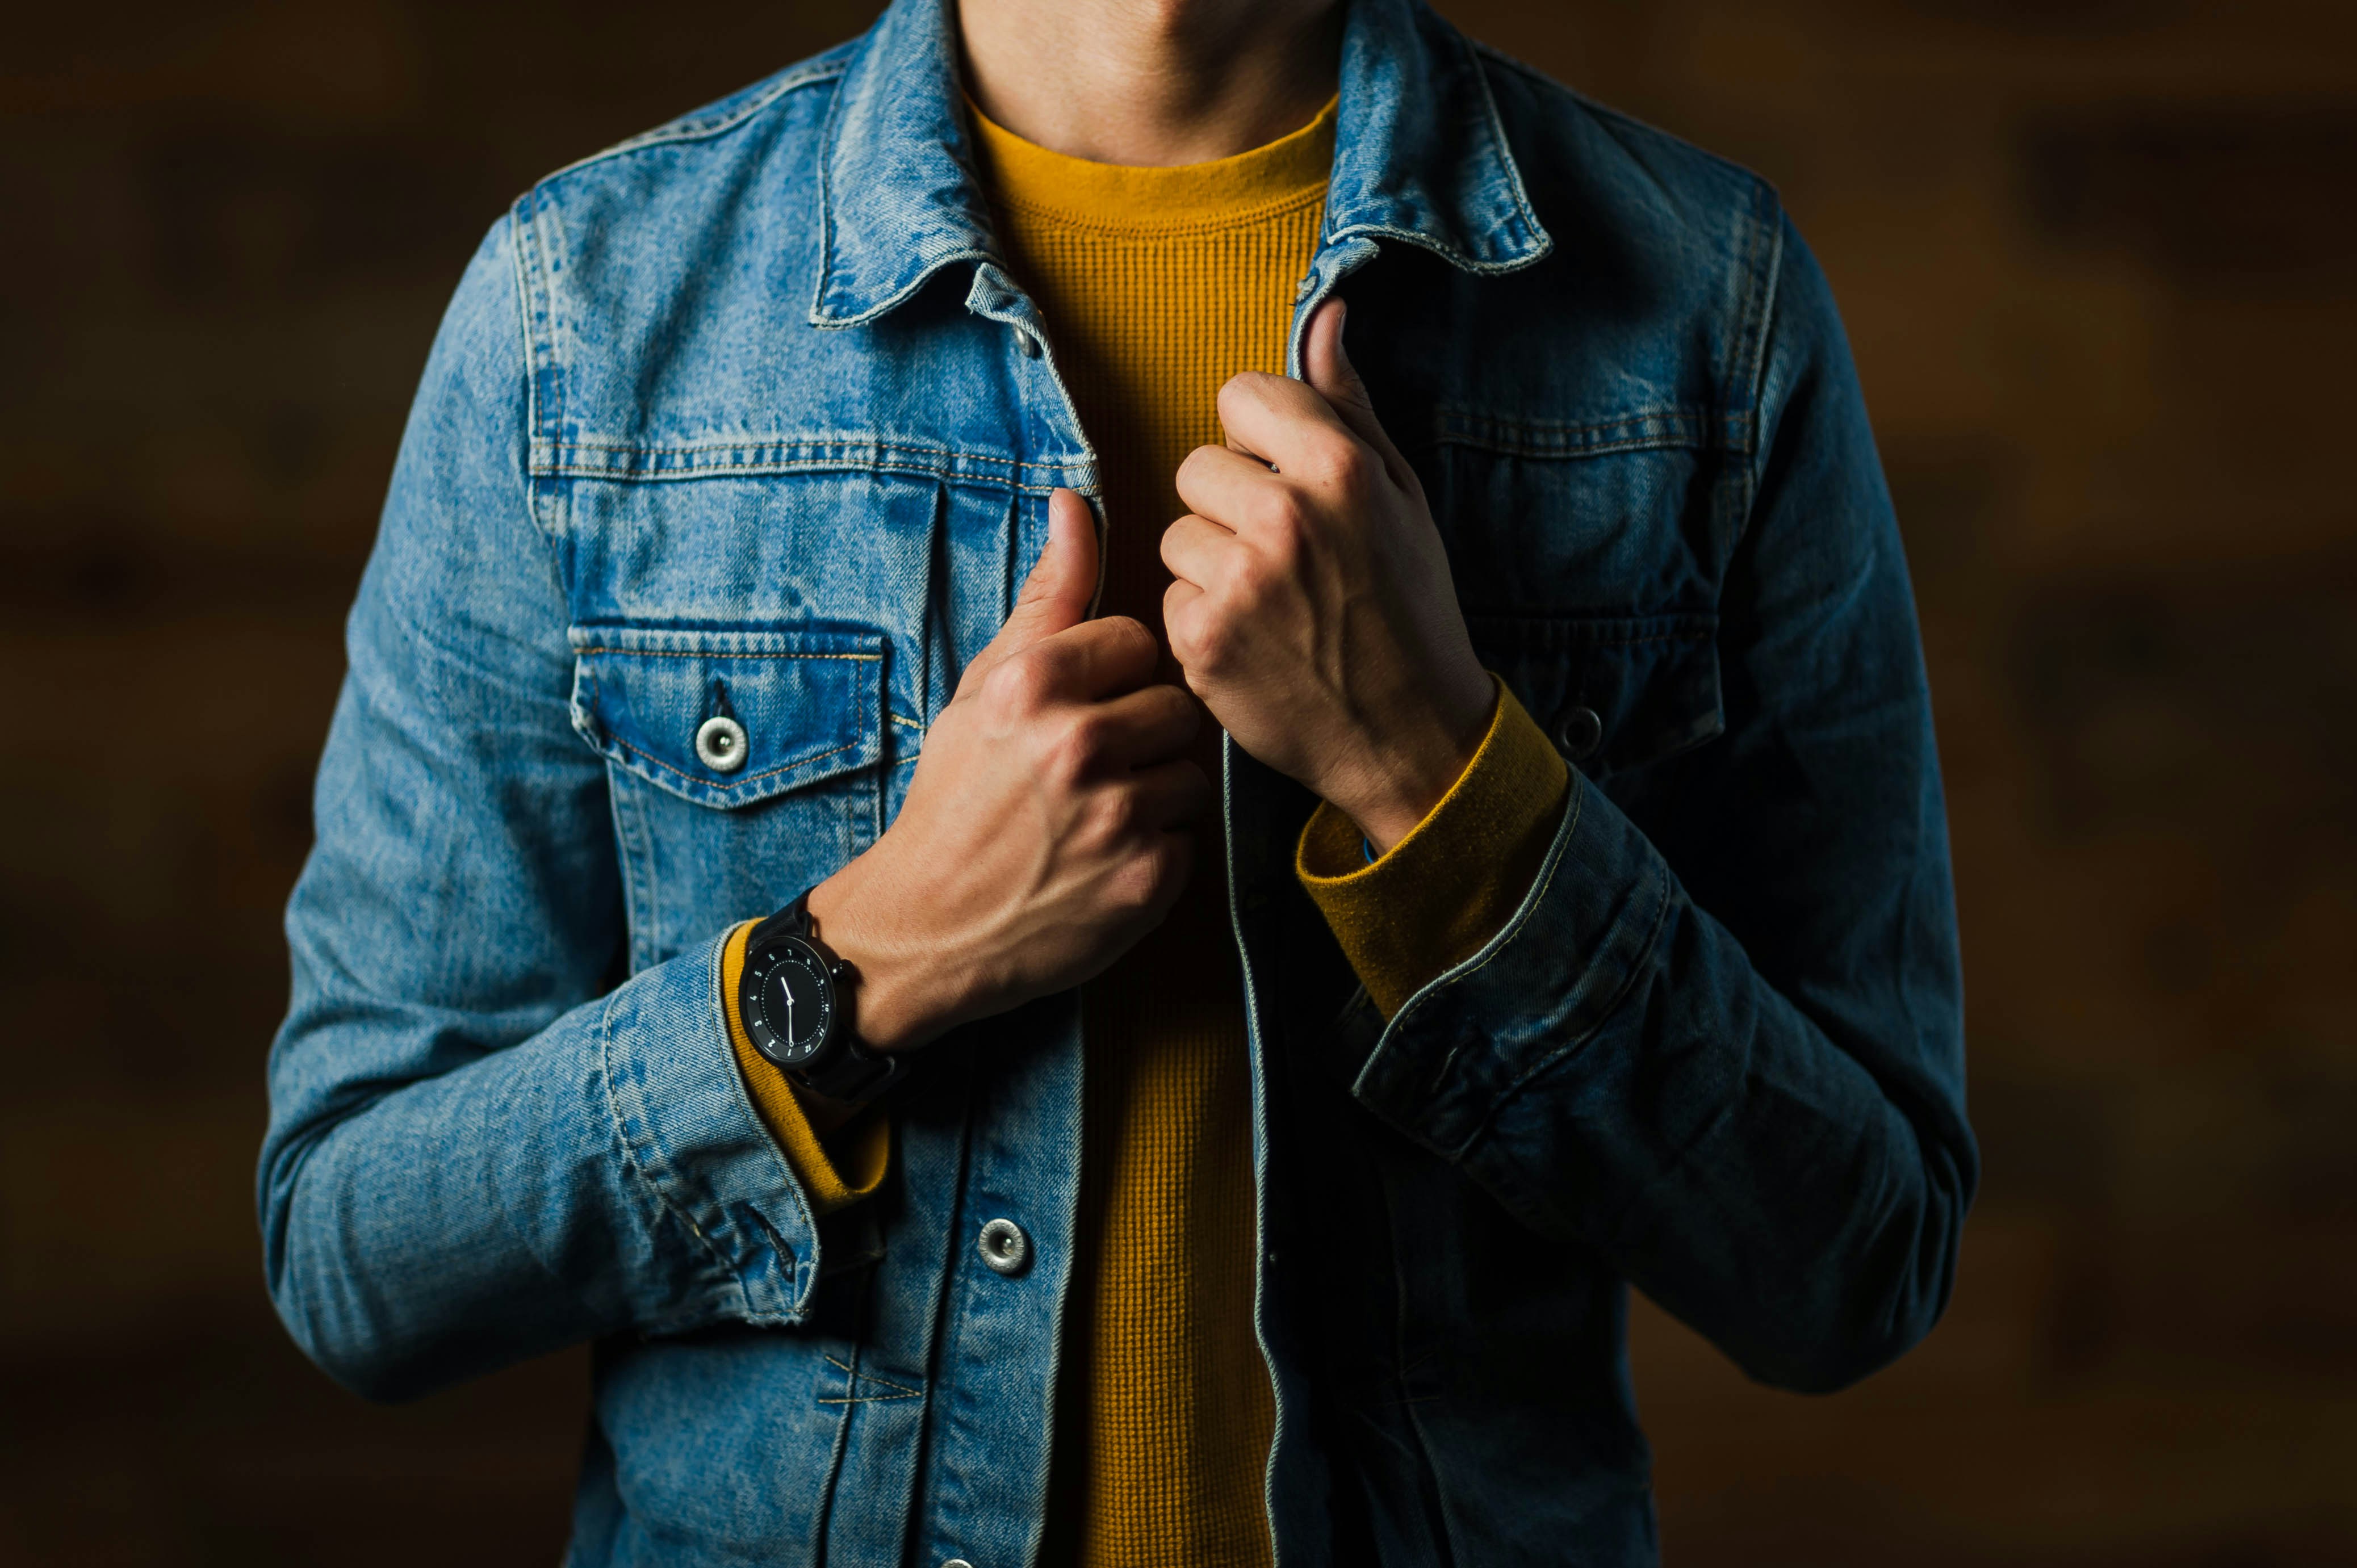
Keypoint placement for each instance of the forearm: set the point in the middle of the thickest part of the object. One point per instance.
(605, 1172)
(1616, 1072)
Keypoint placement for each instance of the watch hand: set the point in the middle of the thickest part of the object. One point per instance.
(790, 1013)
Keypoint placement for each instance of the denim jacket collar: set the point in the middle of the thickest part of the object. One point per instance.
(1420, 157)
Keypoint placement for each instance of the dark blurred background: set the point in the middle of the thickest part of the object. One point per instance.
(2098, 258)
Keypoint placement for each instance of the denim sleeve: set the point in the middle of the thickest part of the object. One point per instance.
(1741, 1079)
(476, 1151)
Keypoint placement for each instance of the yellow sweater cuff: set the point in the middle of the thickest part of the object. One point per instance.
(1448, 886)
(862, 1145)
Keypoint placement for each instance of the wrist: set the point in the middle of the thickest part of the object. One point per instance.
(1411, 772)
(899, 1001)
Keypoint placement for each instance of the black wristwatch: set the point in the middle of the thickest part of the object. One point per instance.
(795, 1000)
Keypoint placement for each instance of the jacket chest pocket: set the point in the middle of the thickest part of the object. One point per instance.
(744, 765)
(1614, 693)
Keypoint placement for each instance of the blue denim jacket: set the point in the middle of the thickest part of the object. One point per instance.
(749, 415)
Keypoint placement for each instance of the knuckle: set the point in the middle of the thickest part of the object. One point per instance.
(1118, 812)
(1152, 876)
(1185, 643)
(1261, 578)
(1340, 461)
(1069, 752)
(1280, 556)
(1284, 521)
(1213, 644)
(1130, 637)
(1019, 685)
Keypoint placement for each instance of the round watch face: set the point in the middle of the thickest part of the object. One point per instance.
(789, 1001)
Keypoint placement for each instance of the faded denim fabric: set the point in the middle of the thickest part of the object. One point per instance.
(747, 415)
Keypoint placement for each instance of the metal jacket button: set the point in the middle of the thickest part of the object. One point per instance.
(1004, 1247)
(720, 744)
(1580, 731)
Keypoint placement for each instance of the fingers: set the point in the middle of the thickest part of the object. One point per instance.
(1326, 367)
(1194, 548)
(1144, 728)
(1056, 595)
(1318, 427)
(1282, 422)
(1085, 663)
(1172, 794)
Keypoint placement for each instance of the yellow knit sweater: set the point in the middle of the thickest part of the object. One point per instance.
(1157, 285)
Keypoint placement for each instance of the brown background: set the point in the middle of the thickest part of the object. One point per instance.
(2098, 258)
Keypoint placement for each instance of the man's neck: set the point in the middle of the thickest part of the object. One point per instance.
(1150, 82)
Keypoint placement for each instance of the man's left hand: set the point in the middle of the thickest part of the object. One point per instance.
(1313, 610)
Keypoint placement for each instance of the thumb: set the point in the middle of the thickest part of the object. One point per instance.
(1330, 375)
(1056, 595)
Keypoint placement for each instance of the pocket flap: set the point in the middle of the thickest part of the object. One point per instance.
(1612, 692)
(806, 703)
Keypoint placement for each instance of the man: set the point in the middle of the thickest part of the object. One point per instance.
(1069, 949)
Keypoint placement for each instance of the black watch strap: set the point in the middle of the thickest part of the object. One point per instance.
(847, 1071)
(793, 920)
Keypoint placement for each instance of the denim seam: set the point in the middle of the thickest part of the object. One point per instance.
(1604, 112)
(884, 307)
(1086, 488)
(723, 653)
(855, 1377)
(1542, 241)
(1578, 809)
(635, 856)
(1568, 444)
(847, 441)
(843, 456)
(823, 171)
(1497, 944)
(827, 141)
(1445, 251)
(704, 130)
(1537, 241)
(1758, 321)
(1572, 453)
(792, 1262)
(794, 766)
(534, 306)
(645, 1158)
(1640, 958)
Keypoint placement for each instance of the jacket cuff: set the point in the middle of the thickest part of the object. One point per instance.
(692, 1141)
(1443, 890)
(836, 1170)
(1534, 994)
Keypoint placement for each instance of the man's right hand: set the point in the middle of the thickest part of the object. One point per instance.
(1046, 824)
